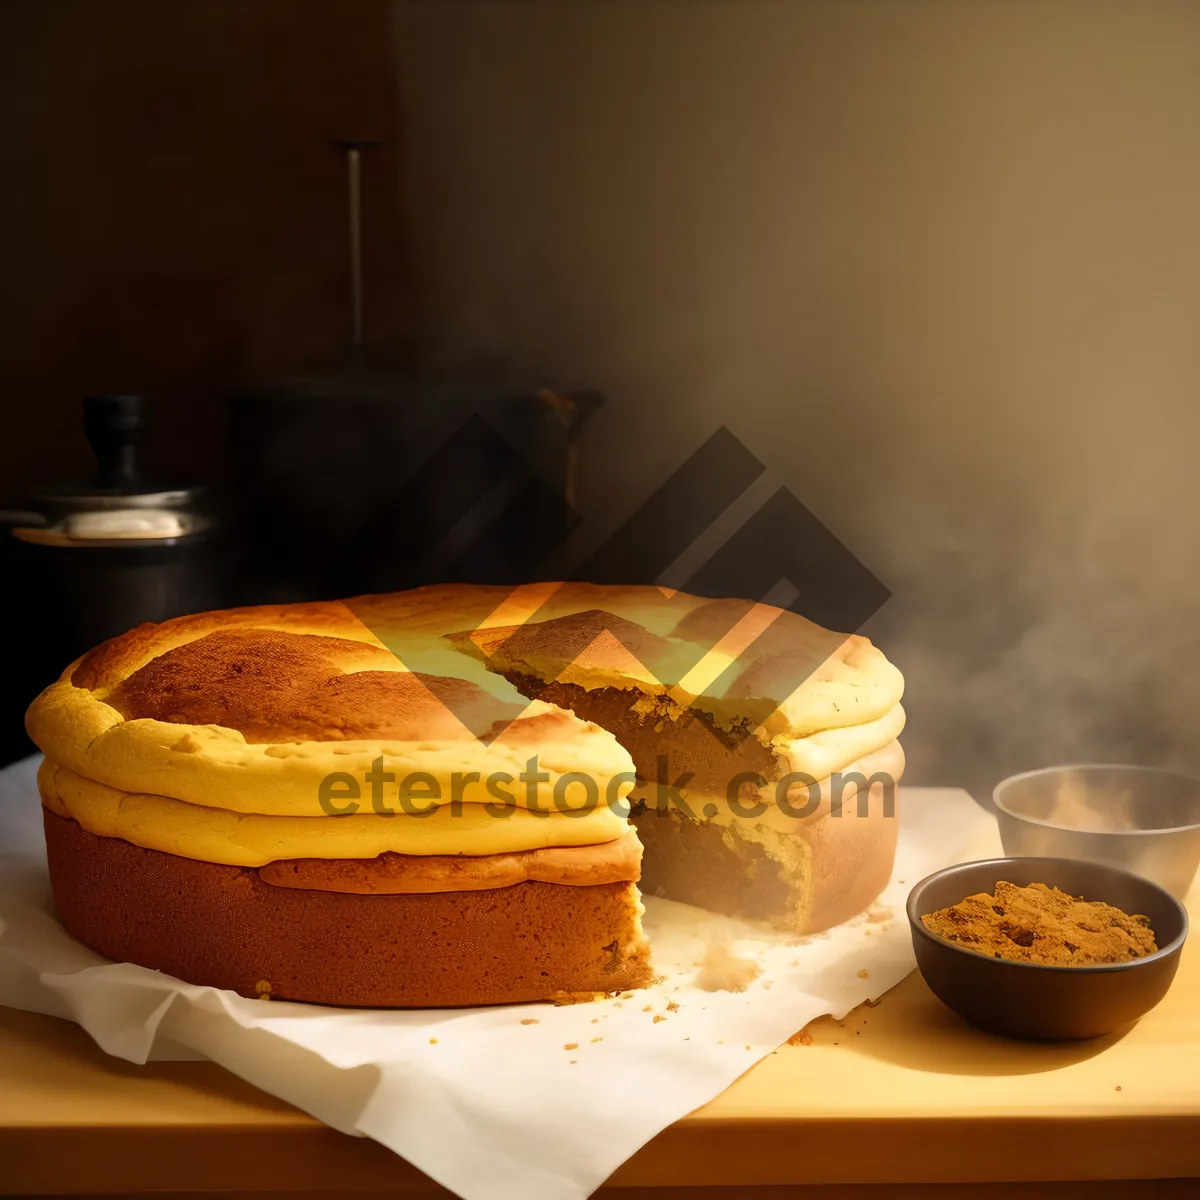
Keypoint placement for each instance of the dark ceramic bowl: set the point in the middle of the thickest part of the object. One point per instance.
(1028, 1000)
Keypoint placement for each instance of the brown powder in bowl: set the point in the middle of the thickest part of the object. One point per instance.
(1040, 924)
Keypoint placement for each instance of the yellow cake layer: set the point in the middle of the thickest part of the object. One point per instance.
(249, 840)
(216, 767)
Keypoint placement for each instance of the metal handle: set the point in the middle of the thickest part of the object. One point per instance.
(113, 425)
(354, 148)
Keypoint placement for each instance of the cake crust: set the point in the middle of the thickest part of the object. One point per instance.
(226, 927)
(396, 874)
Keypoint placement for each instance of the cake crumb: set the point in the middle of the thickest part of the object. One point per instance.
(658, 1018)
(1118, 1087)
(672, 1006)
(766, 985)
(801, 1038)
(648, 1008)
(561, 998)
(878, 913)
(864, 973)
(433, 1041)
(725, 971)
(572, 1062)
(747, 1047)
(571, 1046)
(529, 1021)
(595, 1020)
(626, 995)
(595, 1040)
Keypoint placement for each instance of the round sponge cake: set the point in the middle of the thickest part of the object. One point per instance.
(441, 797)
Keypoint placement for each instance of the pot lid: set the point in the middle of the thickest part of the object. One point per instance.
(119, 502)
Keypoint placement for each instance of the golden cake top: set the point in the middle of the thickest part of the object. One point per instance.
(274, 686)
(253, 710)
(249, 709)
(737, 660)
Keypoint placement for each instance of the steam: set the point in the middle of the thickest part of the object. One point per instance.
(1076, 642)
(925, 260)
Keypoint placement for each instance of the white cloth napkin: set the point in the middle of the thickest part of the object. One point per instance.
(532, 1100)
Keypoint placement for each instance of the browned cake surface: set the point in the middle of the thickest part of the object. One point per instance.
(274, 686)
(120, 656)
(570, 866)
(224, 927)
(563, 639)
(852, 859)
(776, 653)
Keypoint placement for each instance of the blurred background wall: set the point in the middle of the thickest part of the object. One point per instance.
(172, 222)
(936, 263)
(173, 217)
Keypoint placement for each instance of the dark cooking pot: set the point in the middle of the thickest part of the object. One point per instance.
(98, 558)
(371, 480)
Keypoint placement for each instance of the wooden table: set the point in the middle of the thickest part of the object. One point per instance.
(900, 1094)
